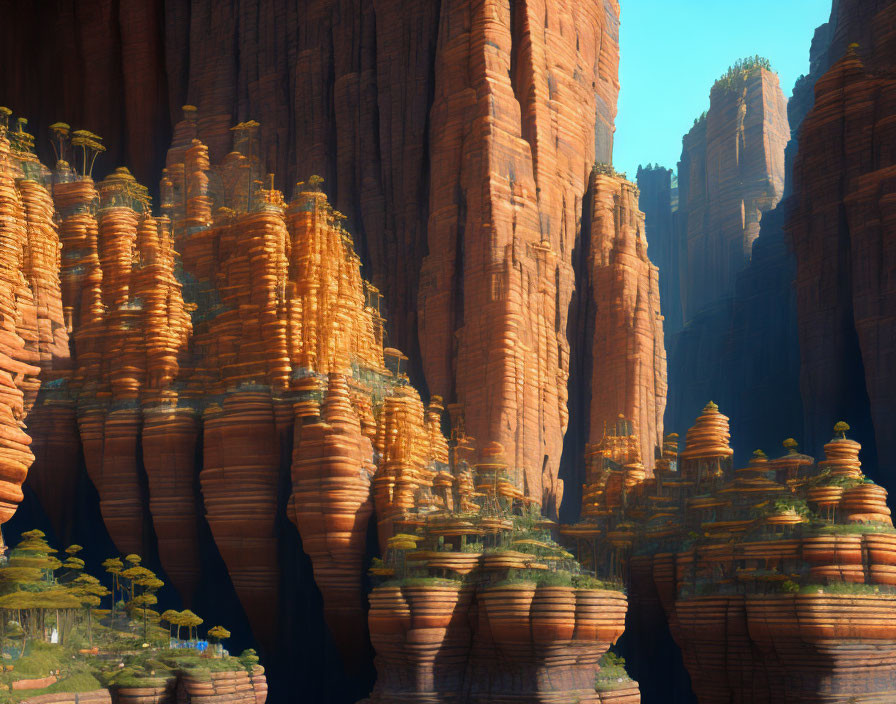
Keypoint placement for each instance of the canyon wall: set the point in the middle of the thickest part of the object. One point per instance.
(405, 111)
(804, 323)
(513, 135)
(459, 135)
(734, 273)
(731, 172)
(628, 377)
(748, 332)
(842, 229)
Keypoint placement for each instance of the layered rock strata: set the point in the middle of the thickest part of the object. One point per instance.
(99, 696)
(496, 282)
(757, 337)
(776, 579)
(749, 338)
(224, 687)
(731, 172)
(841, 229)
(628, 377)
(404, 111)
(207, 332)
(34, 338)
(517, 642)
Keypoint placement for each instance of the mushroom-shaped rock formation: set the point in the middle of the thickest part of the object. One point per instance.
(707, 455)
(331, 504)
(776, 579)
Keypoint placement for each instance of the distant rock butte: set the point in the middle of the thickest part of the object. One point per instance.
(731, 172)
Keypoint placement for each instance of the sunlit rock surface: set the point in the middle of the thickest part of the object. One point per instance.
(776, 579)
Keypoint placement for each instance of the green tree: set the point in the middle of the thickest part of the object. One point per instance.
(73, 565)
(249, 658)
(177, 619)
(133, 575)
(170, 617)
(143, 602)
(218, 633)
(89, 592)
(114, 566)
(61, 132)
(191, 621)
(90, 146)
(34, 551)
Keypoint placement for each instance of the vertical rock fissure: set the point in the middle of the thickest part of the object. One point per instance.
(521, 76)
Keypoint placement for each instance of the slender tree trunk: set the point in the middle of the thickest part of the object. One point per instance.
(89, 627)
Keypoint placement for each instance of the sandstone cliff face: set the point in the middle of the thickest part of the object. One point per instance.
(459, 135)
(515, 643)
(841, 230)
(835, 378)
(732, 171)
(520, 100)
(512, 134)
(33, 335)
(750, 337)
(227, 367)
(751, 341)
(629, 358)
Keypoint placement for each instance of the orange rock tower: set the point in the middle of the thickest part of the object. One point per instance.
(241, 319)
(513, 132)
(777, 579)
(843, 203)
(629, 357)
(34, 338)
(731, 172)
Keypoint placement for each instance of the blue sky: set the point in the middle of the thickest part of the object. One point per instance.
(673, 50)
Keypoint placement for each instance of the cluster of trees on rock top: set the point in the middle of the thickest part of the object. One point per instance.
(41, 594)
(741, 70)
(651, 167)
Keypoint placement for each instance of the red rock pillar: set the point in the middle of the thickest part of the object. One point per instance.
(15, 455)
(239, 484)
(121, 497)
(629, 372)
(331, 504)
(169, 456)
